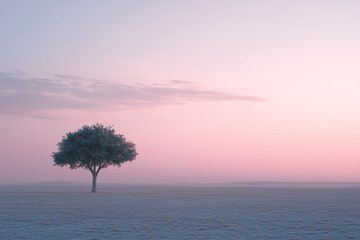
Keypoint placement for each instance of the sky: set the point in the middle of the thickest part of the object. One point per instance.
(209, 91)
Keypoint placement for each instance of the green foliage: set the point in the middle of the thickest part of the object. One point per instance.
(93, 147)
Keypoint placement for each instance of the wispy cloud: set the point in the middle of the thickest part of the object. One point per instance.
(21, 94)
(175, 81)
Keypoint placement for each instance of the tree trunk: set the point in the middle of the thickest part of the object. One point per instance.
(93, 190)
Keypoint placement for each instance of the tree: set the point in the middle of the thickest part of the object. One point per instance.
(93, 148)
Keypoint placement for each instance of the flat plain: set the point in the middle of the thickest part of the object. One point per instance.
(70, 211)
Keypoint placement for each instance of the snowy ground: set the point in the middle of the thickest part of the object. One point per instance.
(58, 211)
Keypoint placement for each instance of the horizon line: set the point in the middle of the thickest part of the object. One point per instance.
(280, 184)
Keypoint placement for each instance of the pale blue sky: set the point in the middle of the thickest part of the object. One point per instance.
(93, 38)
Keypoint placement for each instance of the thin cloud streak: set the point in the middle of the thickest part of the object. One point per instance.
(21, 94)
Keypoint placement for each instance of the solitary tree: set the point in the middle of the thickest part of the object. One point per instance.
(94, 148)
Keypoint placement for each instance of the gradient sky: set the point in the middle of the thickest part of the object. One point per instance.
(210, 91)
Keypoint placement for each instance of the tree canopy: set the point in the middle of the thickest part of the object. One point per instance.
(94, 148)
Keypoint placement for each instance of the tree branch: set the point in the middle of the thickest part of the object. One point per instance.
(89, 167)
(101, 166)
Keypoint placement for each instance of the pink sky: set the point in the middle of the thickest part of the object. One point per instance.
(263, 90)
